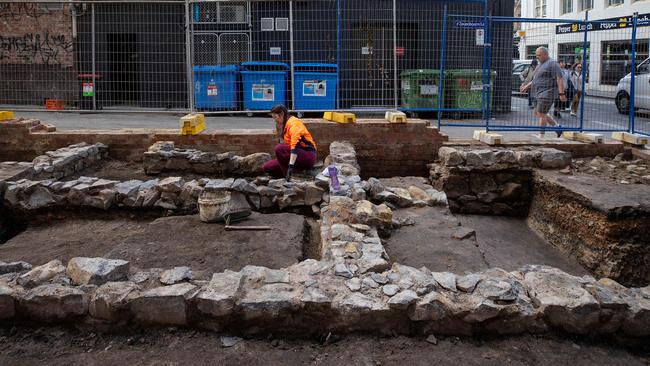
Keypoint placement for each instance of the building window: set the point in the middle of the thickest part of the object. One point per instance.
(571, 53)
(616, 59)
(223, 13)
(530, 51)
(585, 5)
(614, 2)
(567, 6)
(540, 8)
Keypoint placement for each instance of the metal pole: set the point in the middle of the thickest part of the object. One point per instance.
(338, 52)
(485, 53)
(631, 126)
(488, 59)
(395, 90)
(584, 74)
(443, 50)
(92, 50)
(189, 51)
(293, 91)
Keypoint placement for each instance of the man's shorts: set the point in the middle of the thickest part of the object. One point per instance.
(543, 105)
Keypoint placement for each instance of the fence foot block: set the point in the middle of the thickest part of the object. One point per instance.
(583, 137)
(6, 115)
(396, 117)
(489, 138)
(340, 117)
(630, 138)
(192, 124)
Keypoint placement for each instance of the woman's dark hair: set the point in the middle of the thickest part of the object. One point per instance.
(279, 109)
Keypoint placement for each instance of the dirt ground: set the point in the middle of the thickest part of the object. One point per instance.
(164, 242)
(617, 170)
(429, 242)
(504, 242)
(62, 346)
(509, 243)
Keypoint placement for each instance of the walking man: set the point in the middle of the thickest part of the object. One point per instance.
(547, 85)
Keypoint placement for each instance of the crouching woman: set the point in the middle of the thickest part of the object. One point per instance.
(297, 153)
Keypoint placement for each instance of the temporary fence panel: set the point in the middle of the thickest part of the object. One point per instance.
(463, 71)
(94, 55)
(597, 58)
(514, 109)
(609, 58)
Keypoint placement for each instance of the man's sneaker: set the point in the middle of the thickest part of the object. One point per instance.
(574, 114)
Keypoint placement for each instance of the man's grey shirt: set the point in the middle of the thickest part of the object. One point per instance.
(545, 80)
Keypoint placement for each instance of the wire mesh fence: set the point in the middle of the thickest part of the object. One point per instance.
(449, 61)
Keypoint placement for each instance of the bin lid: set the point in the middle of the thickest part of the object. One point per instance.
(265, 64)
(89, 76)
(315, 65)
(467, 72)
(432, 72)
(217, 68)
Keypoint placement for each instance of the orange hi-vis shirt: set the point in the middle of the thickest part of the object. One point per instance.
(297, 136)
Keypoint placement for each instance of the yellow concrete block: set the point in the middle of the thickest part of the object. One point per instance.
(5, 115)
(396, 117)
(633, 139)
(192, 124)
(340, 117)
(489, 138)
(583, 137)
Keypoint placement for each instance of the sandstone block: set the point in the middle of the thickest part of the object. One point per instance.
(97, 271)
(54, 302)
(164, 305)
(219, 296)
(41, 274)
(111, 300)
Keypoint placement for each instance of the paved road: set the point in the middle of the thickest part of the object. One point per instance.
(600, 113)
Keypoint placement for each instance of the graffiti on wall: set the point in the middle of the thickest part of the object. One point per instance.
(17, 11)
(40, 48)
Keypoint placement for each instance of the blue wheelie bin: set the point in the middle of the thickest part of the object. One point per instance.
(216, 87)
(265, 84)
(315, 86)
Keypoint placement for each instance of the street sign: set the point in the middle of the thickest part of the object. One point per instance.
(605, 24)
(469, 24)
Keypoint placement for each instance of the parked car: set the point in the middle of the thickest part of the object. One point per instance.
(641, 89)
(518, 66)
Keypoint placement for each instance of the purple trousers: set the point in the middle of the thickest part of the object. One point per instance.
(277, 168)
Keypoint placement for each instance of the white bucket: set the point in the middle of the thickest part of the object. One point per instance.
(214, 206)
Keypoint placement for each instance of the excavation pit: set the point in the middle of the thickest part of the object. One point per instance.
(385, 256)
(165, 242)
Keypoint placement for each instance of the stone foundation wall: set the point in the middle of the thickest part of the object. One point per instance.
(491, 181)
(609, 241)
(315, 297)
(163, 156)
